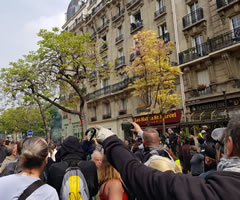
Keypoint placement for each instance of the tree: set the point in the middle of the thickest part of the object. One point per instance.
(155, 84)
(21, 119)
(59, 69)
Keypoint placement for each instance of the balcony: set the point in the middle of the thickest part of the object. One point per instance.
(119, 39)
(107, 116)
(132, 3)
(225, 3)
(201, 92)
(104, 25)
(93, 119)
(98, 8)
(103, 48)
(88, 18)
(159, 12)
(110, 89)
(77, 21)
(192, 18)
(219, 42)
(165, 37)
(136, 26)
(118, 16)
(120, 62)
(122, 112)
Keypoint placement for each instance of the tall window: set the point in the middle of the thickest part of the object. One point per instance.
(163, 32)
(104, 19)
(236, 22)
(95, 112)
(108, 109)
(198, 44)
(118, 9)
(203, 78)
(160, 4)
(119, 31)
(192, 10)
(120, 53)
(105, 82)
(124, 104)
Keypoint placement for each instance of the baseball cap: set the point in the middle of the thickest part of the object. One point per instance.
(217, 134)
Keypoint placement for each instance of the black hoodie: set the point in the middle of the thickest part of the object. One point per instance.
(69, 152)
(150, 184)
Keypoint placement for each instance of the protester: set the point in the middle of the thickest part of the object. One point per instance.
(186, 155)
(97, 158)
(111, 185)
(13, 166)
(148, 183)
(197, 163)
(71, 151)
(3, 151)
(173, 141)
(13, 155)
(150, 140)
(210, 160)
(32, 160)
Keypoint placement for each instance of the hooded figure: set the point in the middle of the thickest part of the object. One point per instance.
(70, 152)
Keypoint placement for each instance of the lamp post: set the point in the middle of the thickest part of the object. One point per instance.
(225, 103)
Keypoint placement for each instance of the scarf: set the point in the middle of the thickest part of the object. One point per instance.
(229, 164)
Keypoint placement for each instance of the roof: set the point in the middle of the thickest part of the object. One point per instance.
(73, 7)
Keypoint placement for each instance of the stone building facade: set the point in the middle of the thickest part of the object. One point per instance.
(207, 42)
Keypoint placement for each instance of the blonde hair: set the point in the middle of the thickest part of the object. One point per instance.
(107, 172)
(164, 164)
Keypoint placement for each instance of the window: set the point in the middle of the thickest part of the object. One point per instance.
(119, 9)
(124, 104)
(95, 112)
(198, 44)
(235, 22)
(120, 53)
(203, 78)
(105, 82)
(108, 109)
(119, 31)
(163, 32)
(135, 20)
(104, 20)
(160, 4)
(192, 9)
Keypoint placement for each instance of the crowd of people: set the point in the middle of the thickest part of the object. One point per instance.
(151, 166)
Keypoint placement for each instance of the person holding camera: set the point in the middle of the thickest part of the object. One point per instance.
(147, 183)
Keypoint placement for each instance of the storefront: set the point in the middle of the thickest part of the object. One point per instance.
(172, 120)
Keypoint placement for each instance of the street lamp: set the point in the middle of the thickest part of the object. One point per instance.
(225, 102)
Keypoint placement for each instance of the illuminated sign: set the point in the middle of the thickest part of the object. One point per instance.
(156, 119)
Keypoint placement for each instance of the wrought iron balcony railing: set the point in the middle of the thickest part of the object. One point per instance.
(120, 61)
(160, 11)
(192, 18)
(110, 89)
(202, 91)
(222, 3)
(107, 116)
(117, 16)
(135, 26)
(98, 7)
(165, 37)
(132, 3)
(219, 42)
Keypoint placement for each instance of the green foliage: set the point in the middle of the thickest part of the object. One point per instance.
(21, 119)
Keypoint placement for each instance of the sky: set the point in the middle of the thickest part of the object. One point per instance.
(20, 22)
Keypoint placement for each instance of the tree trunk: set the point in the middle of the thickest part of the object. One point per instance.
(45, 122)
(164, 125)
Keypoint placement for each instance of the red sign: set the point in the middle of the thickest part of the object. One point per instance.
(156, 119)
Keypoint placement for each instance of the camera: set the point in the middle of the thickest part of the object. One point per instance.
(126, 126)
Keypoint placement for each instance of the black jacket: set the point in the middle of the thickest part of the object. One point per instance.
(3, 153)
(88, 168)
(149, 184)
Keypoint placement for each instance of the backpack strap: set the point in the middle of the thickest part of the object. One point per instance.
(30, 189)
